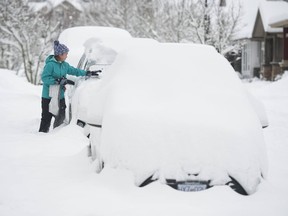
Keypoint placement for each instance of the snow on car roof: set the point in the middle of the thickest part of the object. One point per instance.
(75, 38)
(105, 50)
(177, 109)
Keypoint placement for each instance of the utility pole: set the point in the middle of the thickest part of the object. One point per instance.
(206, 23)
(222, 3)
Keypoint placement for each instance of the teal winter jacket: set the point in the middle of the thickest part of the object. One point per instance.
(54, 70)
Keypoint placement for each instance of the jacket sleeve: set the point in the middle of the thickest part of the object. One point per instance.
(76, 71)
(47, 77)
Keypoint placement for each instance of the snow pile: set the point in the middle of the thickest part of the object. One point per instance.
(76, 44)
(102, 52)
(172, 116)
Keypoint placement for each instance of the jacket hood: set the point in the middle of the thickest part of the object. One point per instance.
(50, 58)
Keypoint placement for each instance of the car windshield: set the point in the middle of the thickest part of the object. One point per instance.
(98, 54)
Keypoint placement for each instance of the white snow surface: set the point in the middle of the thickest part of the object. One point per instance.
(50, 174)
(76, 37)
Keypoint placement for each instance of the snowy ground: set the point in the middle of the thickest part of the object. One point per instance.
(50, 174)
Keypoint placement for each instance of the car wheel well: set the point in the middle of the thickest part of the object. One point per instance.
(236, 186)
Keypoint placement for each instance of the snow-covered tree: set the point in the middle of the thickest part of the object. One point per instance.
(25, 34)
(116, 13)
(173, 20)
(131, 15)
(211, 22)
(227, 24)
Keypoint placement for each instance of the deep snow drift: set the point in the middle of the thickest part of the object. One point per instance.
(50, 174)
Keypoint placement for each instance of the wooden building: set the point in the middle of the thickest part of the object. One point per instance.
(262, 54)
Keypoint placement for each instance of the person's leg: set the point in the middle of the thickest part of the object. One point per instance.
(59, 119)
(46, 116)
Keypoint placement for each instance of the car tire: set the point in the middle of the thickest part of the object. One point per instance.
(236, 186)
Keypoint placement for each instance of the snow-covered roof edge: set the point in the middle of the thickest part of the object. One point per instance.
(269, 12)
(270, 9)
(279, 20)
(37, 6)
(74, 3)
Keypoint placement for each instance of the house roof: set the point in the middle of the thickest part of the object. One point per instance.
(37, 6)
(74, 3)
(266, 13)
(268, 10)
(50, 4)
(279, 21)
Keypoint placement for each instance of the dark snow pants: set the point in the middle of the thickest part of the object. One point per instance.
(46, 116)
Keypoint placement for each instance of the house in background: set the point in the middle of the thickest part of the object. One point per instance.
(281, 21)
(262, 53)
(65, 13)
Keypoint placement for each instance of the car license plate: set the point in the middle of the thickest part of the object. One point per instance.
(191, 186)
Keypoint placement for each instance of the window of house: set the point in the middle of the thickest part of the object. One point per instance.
(244, 60)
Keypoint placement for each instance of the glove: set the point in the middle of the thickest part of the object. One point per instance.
(57, 81)
(93, 73)
(70, 82)
(63, 81)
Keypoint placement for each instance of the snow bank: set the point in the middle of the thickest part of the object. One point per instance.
(176, 109)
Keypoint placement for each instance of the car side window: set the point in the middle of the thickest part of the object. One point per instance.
(82, 62)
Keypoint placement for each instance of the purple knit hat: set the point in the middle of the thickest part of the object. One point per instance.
(60, 49)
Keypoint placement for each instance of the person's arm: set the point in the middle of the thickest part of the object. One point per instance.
(76, 71)
(47, 77)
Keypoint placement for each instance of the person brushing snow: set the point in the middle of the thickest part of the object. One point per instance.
(54, 74)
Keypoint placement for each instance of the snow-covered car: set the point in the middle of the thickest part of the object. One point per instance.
(178, 114)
